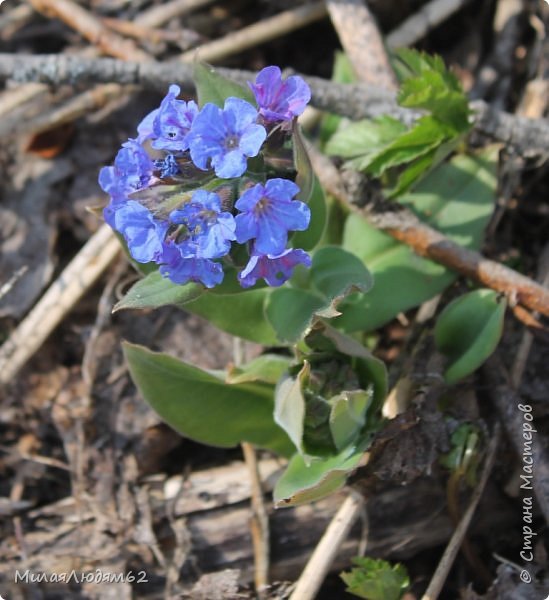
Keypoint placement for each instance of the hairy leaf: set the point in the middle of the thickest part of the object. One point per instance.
(154, 291)
(203, 407)
(456, 198)
(215, 88)
(469, 330)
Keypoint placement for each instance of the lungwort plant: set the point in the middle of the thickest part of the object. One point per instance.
(217, 205)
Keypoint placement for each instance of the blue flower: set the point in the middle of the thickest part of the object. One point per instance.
(144, 235)
(226, 137)
(169, 125)
(201, 270)
(132, 171)
(274, 269)
(268, 213)
(208, 231)
(279, 100)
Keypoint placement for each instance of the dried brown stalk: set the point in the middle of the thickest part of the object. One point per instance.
(323, 557)
(150, 34)
(426, 241)
(163, 13)
(419, 24)
(405, 227)
(81, 20)
(362, 42)
(258, 33)
(357, 101)
(79, 275)
(259, 522)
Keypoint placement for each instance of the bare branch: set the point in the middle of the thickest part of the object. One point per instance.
(405, 227)
(354, 101)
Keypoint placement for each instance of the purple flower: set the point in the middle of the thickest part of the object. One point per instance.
(202, 270)
(280, 100)
(170, 124)
(144, 235)
(274, 269)
(268, 213)
(208, 231)
(226, 137)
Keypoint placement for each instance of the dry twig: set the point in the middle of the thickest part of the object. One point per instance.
(424, 20)
(258, 33)
(259, 523)
(356, 101)
(405, 227)
(447, 560)
(74, 281)
(81, 104)
(362, 42)
(160, 14)
(90, 27)
(323, 557)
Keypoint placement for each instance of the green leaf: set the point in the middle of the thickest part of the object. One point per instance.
(289, 411)
(305, 176)
(370, 370)
(335, 221)
(468, 331)
(304, 482)
(379, 146)
(422, 165)
(464, 455)
(204, 408)
(376, 579)
(364, 138)
(348, 416)
(267, 368)
(457, 198)
(309, 238)
(334, 273)
(215, 88)
(343, 71)
(429, 85)
(241, 314)
(154, 290)
(290, 311)
(426, 134)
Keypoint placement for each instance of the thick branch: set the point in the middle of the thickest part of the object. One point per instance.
(405, 227)
(353, 101)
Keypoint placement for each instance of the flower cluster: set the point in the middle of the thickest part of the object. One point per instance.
(182, 196)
